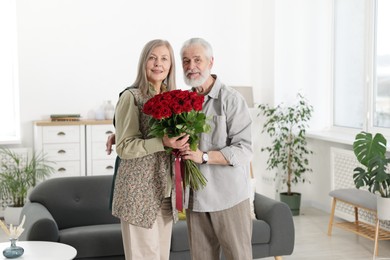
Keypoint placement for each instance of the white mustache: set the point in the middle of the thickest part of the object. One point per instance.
(192, 71)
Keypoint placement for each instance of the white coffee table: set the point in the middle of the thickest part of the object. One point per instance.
(42, 250)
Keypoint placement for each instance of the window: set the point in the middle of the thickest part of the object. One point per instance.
(361, 65)
(349, 62)
(9, 98)
(382, 66)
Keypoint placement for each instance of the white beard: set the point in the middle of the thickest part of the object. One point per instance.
(197, 82)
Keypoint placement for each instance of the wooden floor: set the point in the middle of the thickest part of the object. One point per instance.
(312, 241)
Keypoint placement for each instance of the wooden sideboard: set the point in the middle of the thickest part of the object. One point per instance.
(78, 148)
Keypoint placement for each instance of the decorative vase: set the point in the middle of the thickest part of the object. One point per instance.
(13, 251)
(109, 110)
(99, 113)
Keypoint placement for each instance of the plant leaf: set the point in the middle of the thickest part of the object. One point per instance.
(366, 148)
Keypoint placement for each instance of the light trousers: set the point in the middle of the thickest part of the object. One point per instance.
(229, 230)
(149, 244)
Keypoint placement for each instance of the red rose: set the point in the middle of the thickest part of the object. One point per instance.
(181, 94)
(176, 108)
(165, 112)
(167, 98)
(197, 104)
(187, 106)
(148, 108)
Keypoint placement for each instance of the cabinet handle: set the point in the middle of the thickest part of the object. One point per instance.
(62, 169)
(109, 167)
(109, 132)
(61, 151)
(61, 134)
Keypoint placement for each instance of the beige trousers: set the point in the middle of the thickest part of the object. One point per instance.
(149, 244)
(229, 230)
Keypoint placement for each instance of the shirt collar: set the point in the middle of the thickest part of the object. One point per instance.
(213, 93)
(152, 91)
(216, 87)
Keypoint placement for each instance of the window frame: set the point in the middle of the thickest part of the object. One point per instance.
(9, 7)
(369, 73)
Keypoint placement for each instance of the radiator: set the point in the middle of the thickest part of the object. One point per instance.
(343, 162)
(24, 152)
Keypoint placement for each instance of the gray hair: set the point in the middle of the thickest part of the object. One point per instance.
(198, 41)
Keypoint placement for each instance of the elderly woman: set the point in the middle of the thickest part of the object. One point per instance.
(143, 192)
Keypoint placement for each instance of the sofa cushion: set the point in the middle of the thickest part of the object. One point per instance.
(261, 233)
(76, 201)
(94, 241)
(354, 196)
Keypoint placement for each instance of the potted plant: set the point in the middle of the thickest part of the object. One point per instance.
(371, 153)
(288, 152)
(18, 173)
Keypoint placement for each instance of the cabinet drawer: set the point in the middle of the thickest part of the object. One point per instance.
(61, 134)
(99, 152)
(100, 133)
(66, 169)
(62, 152)
(103, 167)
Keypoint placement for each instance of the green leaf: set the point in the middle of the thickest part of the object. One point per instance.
(371, 153)
(360, 177)
(366, 148)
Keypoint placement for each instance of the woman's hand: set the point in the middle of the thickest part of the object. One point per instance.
(178, 142)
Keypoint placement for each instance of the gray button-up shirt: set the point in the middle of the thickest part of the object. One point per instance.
(230, 121)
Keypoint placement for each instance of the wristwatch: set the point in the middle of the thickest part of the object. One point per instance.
(205, 158)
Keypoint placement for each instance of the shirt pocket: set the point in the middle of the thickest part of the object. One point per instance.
(217, 137)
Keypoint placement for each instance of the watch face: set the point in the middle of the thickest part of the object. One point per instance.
(205, 157)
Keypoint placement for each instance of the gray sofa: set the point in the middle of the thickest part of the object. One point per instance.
(74, 211)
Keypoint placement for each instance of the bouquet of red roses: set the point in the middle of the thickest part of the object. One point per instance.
(176, 112)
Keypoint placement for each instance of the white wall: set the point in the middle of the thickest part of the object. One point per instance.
(292, 54)
(73, 54)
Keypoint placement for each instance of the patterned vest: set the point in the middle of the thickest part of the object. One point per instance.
(141, 183)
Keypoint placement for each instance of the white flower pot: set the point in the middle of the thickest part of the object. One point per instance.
(12, 215)
(383, 208)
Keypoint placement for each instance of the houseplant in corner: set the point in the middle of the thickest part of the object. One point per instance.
(18, 173)
(288, 151)
(371, 153)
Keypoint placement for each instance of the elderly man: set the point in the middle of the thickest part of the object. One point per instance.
(218, 216)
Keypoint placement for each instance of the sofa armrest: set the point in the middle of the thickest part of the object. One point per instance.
(40, 224)
(278, 215)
